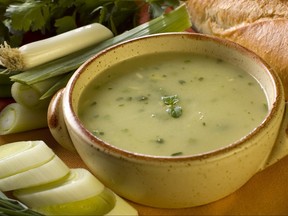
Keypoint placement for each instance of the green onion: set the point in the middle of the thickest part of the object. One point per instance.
(176, 20)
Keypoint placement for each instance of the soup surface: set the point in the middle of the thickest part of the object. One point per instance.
(170, 105)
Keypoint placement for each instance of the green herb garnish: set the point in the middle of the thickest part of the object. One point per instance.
(172, 108)
(177, 154)
(160, 140)
(48, 18)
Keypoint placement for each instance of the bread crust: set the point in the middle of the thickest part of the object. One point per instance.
(261, 26)
(216, 16)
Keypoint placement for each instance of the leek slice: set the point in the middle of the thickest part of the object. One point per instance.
(16, 118)
(23, 155)
(52, 170)
(99, 204)
(80, 193)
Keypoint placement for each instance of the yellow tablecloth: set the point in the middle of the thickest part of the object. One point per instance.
(265, 194)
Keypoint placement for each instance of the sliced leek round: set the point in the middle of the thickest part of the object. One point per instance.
(99, 204)
(80, 184)
(50, 171)
(20, 156)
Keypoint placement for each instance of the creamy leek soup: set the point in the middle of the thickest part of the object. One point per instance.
(172, 104)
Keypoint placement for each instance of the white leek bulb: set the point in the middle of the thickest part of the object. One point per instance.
(43, 51)
(23, 155)
(50, 171)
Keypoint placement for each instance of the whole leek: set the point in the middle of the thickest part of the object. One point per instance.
(174, 21)
(30, 95)
(40, 52)
(16, 115)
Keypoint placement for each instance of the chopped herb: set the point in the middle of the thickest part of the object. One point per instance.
(142, 98)
(170, 100)
(177, 154)
(175, 111)
(201, 78)
(182, 82)
(172, 108)
(240, 76)
(119, 98)
(97, 133)
(129, 98)
(160, 140)
(93, 103)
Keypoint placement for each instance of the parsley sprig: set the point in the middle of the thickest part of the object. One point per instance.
(171, 103)
(23, 20)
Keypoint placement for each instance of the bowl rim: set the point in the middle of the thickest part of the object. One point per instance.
(101, 145)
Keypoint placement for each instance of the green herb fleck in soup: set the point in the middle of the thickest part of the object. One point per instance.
(172, 105)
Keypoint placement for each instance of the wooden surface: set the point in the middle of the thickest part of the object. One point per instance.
(265, 194)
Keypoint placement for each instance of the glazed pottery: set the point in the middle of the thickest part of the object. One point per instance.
(173, 182)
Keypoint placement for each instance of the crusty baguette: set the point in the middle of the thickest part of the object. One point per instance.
(259, 25)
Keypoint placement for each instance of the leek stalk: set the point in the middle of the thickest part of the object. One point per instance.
(61, 83)
(30, 95)
(174, 21)
(16, 118)
(40, 52)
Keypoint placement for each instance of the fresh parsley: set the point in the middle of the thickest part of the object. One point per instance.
(172, 108)
(23, 21)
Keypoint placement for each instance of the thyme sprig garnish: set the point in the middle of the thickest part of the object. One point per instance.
(171, 103)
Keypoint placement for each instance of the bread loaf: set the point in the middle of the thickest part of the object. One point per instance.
(259, 25)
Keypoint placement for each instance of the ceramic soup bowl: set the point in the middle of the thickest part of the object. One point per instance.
(172, 180)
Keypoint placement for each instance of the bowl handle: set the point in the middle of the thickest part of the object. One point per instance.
(56, 122)
(280, 148)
